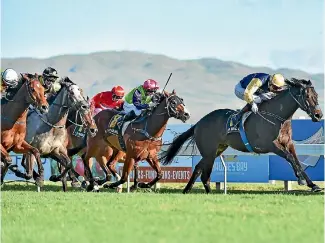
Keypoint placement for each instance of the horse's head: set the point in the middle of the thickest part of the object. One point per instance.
(175, 106)
(35, 92)
(81, 105)
(306, 97)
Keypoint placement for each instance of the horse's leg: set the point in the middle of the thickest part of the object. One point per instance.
(112, 168)
(26, 148)
(207, 169)
(310, 183)
(102, 161)
(7, 161)
(287, 155)
(197, 171)
(92, 183)
(128, 164)
(135, 178)
(61, 162)
(154, 162)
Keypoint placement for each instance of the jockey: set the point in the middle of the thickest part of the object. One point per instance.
(9, 80)
(50, 80)
(257, 87)
(139, 99)
(108, 100)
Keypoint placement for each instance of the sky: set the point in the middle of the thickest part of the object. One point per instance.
(273, 33)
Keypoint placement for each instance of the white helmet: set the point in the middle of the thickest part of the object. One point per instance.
(10, 77)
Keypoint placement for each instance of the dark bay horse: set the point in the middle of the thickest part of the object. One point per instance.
(140, 141)
(48, 132)
(269, 131)
(13, 119)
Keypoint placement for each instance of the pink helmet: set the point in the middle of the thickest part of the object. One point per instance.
(150, 85)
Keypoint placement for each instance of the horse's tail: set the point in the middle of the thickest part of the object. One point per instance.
(76, 150)
(167, 156)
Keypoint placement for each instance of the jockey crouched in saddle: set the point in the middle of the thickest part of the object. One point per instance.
(10, 80)
(108, 100)
(255, 88)
(140, 99)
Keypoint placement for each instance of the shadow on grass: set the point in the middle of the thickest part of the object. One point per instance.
(23, 186)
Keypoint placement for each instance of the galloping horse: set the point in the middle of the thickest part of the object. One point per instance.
(269, 131)
(13, 116)
(48, 133)
(140, 139)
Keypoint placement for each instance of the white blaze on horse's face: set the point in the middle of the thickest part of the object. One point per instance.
(186, 111)
(76, 93)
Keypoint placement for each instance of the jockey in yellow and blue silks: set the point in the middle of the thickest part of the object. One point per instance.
(257, 87)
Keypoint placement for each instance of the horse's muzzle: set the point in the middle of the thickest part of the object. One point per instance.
(185, 117)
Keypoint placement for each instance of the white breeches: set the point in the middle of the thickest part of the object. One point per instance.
(130, 107)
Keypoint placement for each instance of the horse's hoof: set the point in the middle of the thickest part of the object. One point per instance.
(83, 185)
(185, 191)
(316, 188)
(75, 184)
(53, 178)
(119, 189)
(90, 188)
(39, 182)
(95, 188)
(302, 182)
(13, 168)
(143, 185)
(133, 188)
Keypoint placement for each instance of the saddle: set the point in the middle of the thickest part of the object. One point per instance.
(233, 127)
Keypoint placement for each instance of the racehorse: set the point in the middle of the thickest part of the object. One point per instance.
(13, 119)
(77, 144)
(48, 133)
(139, 139)
(269, 131)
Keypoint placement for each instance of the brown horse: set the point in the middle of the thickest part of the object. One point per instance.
(13, 116)
(77, 139)
(142, 139)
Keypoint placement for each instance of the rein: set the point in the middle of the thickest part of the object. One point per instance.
(145, 132)
(34, 102)
(304, 107)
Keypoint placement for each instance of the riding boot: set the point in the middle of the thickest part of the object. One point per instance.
(239, 115)
(129, 116)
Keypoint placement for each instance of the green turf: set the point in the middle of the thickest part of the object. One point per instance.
(250, 213)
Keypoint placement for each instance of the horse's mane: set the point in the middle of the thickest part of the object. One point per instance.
(294, 82)
(67, 81)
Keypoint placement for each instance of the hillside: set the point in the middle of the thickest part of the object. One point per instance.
(205, 84)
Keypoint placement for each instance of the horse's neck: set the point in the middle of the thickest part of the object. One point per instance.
(284, 105)
(157, 122)
(14, 109)
(57, 112)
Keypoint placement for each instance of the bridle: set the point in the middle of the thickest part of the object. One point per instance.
(65, 106)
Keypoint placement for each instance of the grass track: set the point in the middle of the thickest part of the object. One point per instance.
(246, 214)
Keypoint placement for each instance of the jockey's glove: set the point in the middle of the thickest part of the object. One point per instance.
(254, 108)
(151, 104)
(267, 96)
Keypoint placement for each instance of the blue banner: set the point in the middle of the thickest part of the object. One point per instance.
(281, 170)
(240, 168)
(16, 160)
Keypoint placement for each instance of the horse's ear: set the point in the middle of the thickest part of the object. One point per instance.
(25, 76)
(166, 94)
(87, 98)
(174, 92)
(290, 82)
